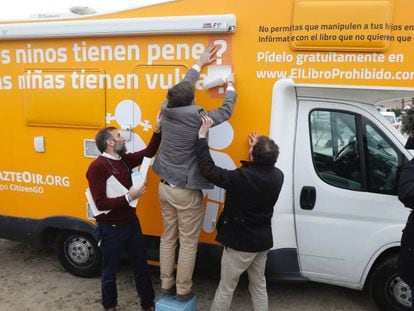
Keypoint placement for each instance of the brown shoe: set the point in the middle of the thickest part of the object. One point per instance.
(170, 291)
(185, 297)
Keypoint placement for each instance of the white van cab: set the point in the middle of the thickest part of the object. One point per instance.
(338, 209)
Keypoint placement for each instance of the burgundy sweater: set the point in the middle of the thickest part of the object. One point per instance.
(102, 168)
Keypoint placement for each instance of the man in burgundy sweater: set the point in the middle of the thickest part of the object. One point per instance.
(119, 229)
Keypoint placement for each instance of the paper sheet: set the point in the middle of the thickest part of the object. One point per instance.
(146, 163)
(115, 189)
(216, 76)
(139, 178)
(92, 205)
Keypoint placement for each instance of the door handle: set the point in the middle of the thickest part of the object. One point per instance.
(307, 197)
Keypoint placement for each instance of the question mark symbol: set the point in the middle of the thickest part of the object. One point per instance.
(221, 50)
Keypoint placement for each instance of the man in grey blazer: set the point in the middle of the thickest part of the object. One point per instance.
(181, 182)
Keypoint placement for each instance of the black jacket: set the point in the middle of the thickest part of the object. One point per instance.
(406, 185)
(251, 193)
(406, 196)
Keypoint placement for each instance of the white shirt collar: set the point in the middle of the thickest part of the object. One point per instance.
(110, 156)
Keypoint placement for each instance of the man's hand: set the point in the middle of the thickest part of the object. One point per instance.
(136, 192)
(158, 120)
(253, 138)
(231, 79)
(207, 56)
(207, 122)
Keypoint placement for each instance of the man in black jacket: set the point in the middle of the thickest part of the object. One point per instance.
(406, 258)
(244, 227)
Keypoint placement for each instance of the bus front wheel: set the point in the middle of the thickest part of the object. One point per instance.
(79, 253)
(388, 290)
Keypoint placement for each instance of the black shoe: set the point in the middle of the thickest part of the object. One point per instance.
(185, 297)
(170, 291)
(152, 308)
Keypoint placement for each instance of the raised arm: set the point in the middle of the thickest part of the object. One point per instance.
(224, 112)
(215, 174)
(135, 159)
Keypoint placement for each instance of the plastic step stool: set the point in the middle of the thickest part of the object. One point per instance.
(169, 303)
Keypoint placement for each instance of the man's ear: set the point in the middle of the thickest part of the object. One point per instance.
(110, 142)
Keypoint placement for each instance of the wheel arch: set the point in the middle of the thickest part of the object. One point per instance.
(48, 228)
(379, 257)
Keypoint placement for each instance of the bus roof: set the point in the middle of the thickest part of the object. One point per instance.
(23, 10)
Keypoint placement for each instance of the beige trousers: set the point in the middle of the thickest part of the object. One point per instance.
(182, 216)
(233, 264)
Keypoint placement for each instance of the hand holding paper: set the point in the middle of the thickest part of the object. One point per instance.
(230, 78)
(217, 76)
(136, 191)
(138, 181)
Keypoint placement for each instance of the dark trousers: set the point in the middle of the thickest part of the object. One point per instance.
(114, 240)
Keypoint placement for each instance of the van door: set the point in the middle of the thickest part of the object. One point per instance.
(345, 177)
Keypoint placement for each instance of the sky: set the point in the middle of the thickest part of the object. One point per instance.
(24, 9)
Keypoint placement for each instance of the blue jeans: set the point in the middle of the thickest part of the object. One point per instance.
(114, 240)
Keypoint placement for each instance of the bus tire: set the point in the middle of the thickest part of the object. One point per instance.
(387, 289)
(79, 253)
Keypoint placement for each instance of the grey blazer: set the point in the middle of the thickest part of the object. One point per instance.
(176, 161)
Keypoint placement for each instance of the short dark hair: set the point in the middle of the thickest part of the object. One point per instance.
(102, 136)
(181, 94)
(265, 151)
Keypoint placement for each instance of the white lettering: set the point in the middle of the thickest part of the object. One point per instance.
(39, 179)
(83, 52)
(82, 80)
(169, 51)
(39, 80)
(163, 80)
(6, 176)
(154, 53)
(5, 83)
(50, 180)
(28, 177)
(31, 55)
(66, 181)
(5, 57)
(20, 188)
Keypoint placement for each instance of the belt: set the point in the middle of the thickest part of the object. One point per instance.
(164, 182)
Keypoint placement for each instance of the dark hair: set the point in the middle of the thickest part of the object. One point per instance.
(408, 122)
(265, 151)
(102, 136)
(181, 94)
